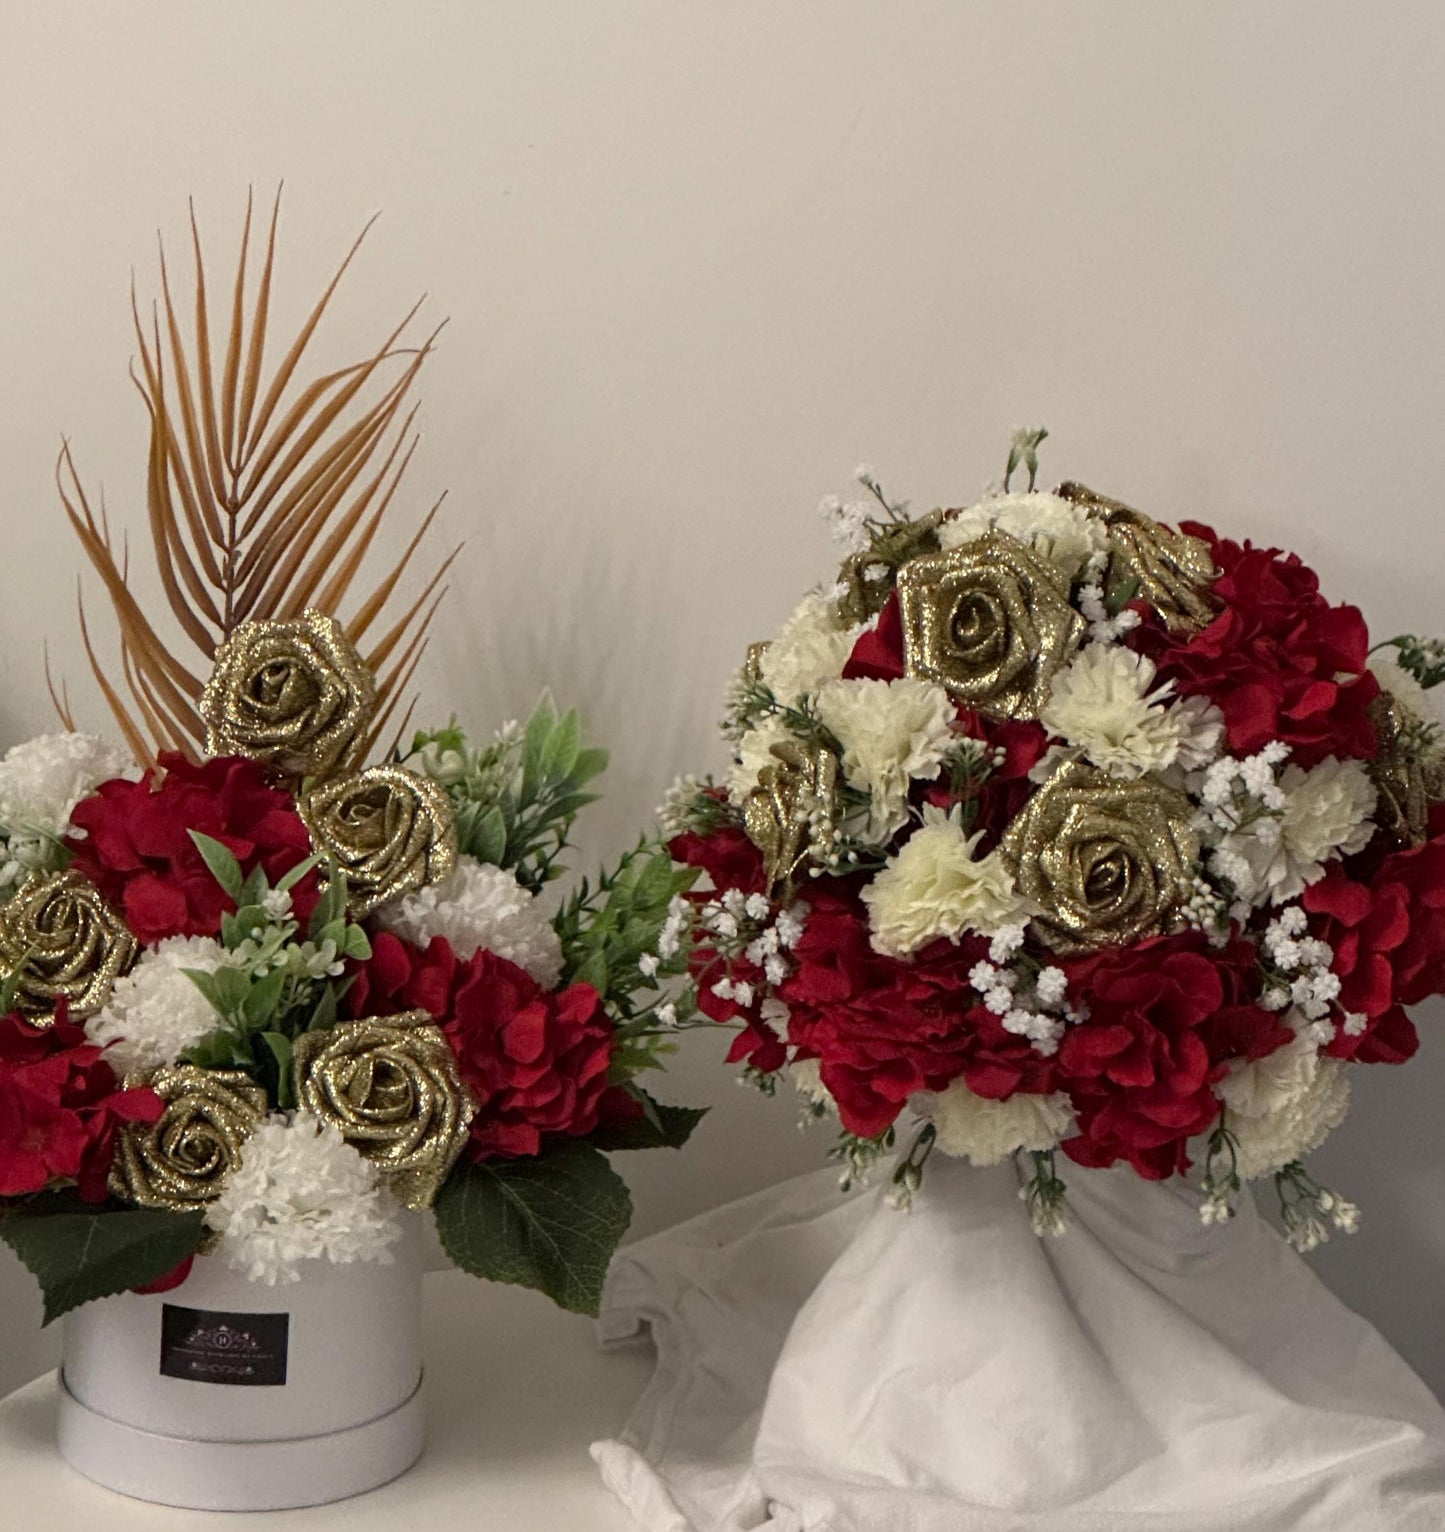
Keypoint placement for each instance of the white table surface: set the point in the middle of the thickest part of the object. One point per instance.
(516, 1393)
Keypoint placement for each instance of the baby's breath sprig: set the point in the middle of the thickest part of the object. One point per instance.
(859, 1156)
(908, 1173)
(1045, 1195)
(1309, 1211)
(1221, 1183)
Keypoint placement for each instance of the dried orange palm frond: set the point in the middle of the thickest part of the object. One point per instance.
(263, 498)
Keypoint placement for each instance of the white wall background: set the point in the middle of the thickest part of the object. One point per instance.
(701, 259)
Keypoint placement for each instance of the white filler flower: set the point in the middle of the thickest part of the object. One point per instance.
(1284, 1106)
(479, 906)
(811, 650)
(986, 1132)
(1105, 703)
(1056, 529)
(301, 1193)
(892, 733)
(156, 1011)
(935, 886)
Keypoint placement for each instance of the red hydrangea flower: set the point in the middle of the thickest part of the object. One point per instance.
(878, 653)
(60, 1107)
(1280, 661)
(727, 856)
(138, 852)
(1140, 1069)
(1388, 937)
(883, 1029)
(536, 1061)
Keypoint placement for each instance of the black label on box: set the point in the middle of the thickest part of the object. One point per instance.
(245, 1350)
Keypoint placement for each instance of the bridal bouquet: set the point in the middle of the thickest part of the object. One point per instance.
(265, 982)
(1069, 831)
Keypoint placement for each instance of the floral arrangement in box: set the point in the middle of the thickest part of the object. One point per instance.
(1072, 833)
(268, 981)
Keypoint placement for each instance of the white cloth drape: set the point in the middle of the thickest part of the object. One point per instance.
(827, 1364)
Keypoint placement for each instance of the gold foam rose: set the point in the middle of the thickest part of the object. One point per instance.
(1174, 572)
(390, 1085)
(797, 781)
(294, 694)
(1105, 862)
(182, 1161)
(990, 621)
(60, 940)
(388, 829)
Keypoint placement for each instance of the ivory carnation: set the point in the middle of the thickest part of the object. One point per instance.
(1105, 703)
(1406, 690)
(157, 1011)
(810, 651)
(1283, 1106)
(975, 1128)
(892, 733)
(1058, 530)
(480, 906)
(1326, 814)
(754, 751)
(935, 886)
(300, 1193)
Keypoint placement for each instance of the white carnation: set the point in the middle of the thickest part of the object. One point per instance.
(892, 733)
(935, 886)
(1327, 814)
(156, 1011)
(301, 1193)
(1105, 704)
(1406, 690)
(811, 650)
(41, 781)
(1284, 1106)
(986, 1132)
(1059, 531)
(754, 751)
(479, 906)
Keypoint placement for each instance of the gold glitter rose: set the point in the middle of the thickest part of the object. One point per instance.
(388, 829)
(1106, 862)
(795, 783)
(182, 1161)
(863, 579)
(64, 942)
(293, 694)
(1169, 569)
(390, 1085)
(990, 621)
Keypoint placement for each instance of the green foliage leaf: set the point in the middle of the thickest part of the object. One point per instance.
(221, 860)
(489, 836)
(661, 1127)
(78, 1253)
(550, 1223)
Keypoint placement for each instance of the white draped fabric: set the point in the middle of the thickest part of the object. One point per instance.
(828, 1364)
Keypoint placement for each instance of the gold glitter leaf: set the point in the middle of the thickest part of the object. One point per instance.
(1106, 862)
(1173, 571)
(390, 1085)
(293, 694)
(388, 829)
(990, 621)
(65, 942)
(796, 782)
(182, 1161)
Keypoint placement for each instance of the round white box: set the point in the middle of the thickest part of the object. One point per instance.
(347, 1418)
